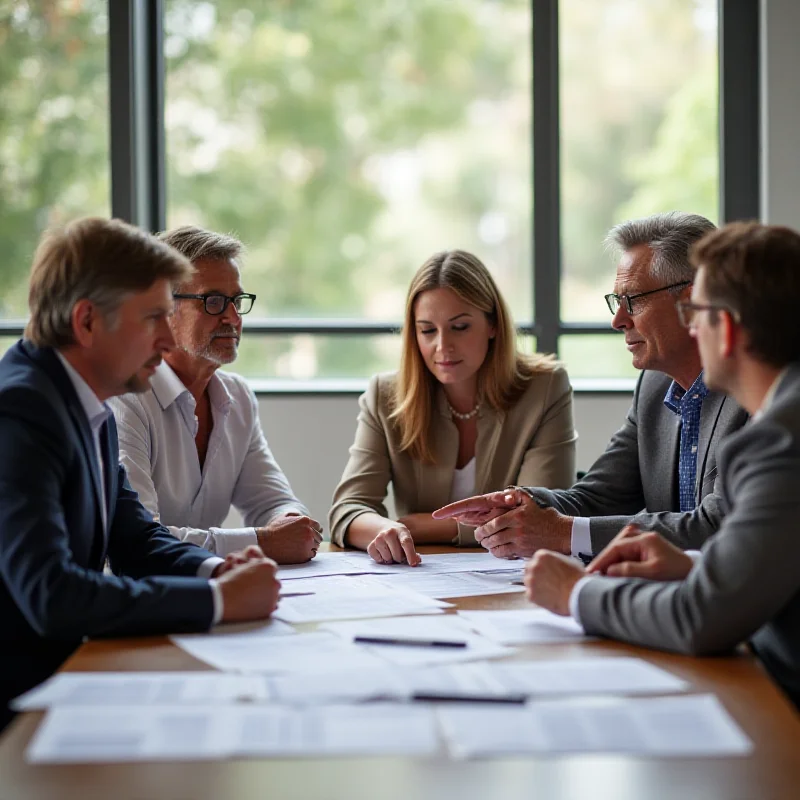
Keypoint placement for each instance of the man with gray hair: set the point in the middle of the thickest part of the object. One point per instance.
(193, 445)
(660, 467)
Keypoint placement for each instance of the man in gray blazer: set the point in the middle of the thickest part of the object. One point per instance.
(745, 584)
(659, 469)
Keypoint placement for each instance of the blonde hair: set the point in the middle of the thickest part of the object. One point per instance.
(101, 260)
(504, 374)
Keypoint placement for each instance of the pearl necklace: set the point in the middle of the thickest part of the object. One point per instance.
(468, 415)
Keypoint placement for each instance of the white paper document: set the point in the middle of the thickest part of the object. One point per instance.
(444, 629)
(686, 726)
(450, 584)
(141, 689)
(524, 626)
(350, 563)
(304, 652)
(357, 599)
(129, 733)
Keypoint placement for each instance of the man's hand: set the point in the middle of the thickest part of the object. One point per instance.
(394, 544)
(237, 558)
(636, 554)
(482, 508)
(524, 529)
(549, 580)
(249, 590)
(290, 538)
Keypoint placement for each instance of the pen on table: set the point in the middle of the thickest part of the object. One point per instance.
(407, 642)
(517, 699)
(294, 594)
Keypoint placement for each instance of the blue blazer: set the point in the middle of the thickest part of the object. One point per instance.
(53, 591)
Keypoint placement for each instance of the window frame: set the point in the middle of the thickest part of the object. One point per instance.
(138, 172)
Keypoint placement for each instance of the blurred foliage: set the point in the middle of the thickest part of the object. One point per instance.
(345, 142)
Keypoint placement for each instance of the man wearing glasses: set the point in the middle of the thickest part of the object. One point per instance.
(192, 445)
(660, 467)
(745, 584)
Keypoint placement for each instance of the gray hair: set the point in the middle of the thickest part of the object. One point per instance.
(197, 243)
(669, 235)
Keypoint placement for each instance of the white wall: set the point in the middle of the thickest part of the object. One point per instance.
(310, 436)
(780, 112)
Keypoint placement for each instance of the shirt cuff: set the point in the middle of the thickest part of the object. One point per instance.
(208, 566)
(695, 555)
(574, 598)
(228, 540)
(581, 536)
(216, 597)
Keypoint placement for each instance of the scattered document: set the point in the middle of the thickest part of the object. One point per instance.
(524, 626)
(304, 652)
(450, 584)
(692, 725)
(356, 601)
(350, 563)
(130, 733)
(141, 689)
(440, 632)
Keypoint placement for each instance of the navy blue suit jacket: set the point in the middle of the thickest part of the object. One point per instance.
(53, 591)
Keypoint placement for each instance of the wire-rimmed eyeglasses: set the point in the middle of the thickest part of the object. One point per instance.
(687, 311)
(215, 303)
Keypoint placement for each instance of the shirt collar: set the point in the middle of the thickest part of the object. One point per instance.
(676, 395)
(96, 412)
(168, 387)
(769, 397)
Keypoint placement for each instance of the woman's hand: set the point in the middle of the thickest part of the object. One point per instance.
(394, 545)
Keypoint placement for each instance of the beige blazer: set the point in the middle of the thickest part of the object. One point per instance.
(532, 444)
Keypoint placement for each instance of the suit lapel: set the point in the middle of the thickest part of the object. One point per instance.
(710, 412)
(48, 361)
(489, 427)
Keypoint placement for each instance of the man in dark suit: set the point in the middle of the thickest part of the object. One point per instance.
(100, 295)
(659, 469)
(746, 582)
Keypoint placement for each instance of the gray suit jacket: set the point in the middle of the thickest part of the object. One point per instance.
(636, 479)
(747, 583)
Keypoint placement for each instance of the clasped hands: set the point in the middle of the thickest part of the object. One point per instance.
(551, 577)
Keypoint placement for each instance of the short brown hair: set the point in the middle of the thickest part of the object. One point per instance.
(101, 260)
(754, 271)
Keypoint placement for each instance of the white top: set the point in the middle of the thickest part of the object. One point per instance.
(463, 482)
(157, 432)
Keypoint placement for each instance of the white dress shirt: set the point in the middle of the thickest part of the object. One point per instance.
(157, 432)
(97, 413)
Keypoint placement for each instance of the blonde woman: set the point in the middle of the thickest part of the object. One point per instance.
(466, 414)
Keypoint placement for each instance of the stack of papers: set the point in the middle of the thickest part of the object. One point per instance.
(178, 733)
(524, 626)
(690, 726)
(431, 640)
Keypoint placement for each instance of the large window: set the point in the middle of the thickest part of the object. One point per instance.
(54, 152)
(345, 142)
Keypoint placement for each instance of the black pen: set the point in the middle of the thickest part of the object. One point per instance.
(406, 642)
(294, 594)
(517, 699)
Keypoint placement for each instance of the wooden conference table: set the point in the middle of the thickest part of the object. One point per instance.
(772, 771)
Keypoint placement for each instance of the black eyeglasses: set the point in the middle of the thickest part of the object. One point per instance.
(614, 301)
(687, 311)
(215, 303)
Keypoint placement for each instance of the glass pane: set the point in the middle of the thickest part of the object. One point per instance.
(346, 142)
(305, 357)
(638, 128)
(53, 128)
(596, 356)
